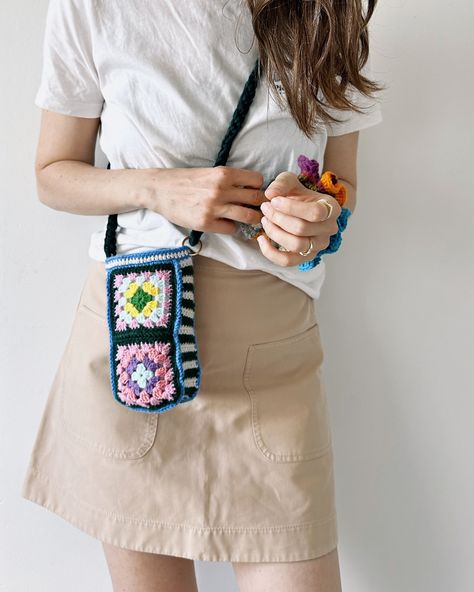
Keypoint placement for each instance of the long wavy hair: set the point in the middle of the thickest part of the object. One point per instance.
(316, 50)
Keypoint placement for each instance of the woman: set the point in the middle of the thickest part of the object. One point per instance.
(244, 472)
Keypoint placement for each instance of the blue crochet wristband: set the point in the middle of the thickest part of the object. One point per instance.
(334, 241)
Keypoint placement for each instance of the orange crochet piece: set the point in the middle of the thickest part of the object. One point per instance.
(330, 184)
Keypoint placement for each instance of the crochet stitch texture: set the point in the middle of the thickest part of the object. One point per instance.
(329, 184)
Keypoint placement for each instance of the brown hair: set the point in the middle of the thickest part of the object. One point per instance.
(314, 47)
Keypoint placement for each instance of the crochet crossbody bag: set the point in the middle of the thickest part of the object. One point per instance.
(153, 360)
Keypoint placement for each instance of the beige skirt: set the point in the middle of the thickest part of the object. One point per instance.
(243, 472)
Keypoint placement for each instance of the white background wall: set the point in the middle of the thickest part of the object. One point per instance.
(396, 318)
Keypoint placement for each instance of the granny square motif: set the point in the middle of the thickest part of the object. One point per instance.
(142, 299)
(145, 373)
(154, 363)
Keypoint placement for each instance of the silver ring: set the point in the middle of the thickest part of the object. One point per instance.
(329, 206)
(308, 250)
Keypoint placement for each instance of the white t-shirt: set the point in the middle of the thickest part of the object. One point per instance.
(165, 77)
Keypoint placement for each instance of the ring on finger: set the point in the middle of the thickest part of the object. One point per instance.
(303, 253)
(308, 250)
(328, 205)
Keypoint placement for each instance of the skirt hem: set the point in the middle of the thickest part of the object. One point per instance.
(190, 542)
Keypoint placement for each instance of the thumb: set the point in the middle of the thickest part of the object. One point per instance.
(283, 184)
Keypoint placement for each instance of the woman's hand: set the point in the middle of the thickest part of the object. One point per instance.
(207, 199)
(294, 219)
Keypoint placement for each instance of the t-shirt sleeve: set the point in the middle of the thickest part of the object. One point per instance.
(69, 79)
(351, 120)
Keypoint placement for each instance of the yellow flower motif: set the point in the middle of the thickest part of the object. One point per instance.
(130, 291)
(131, 309)
(149, 308)
(149, 288)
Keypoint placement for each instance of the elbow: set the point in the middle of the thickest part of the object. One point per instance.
(41, 192)
(43, 187)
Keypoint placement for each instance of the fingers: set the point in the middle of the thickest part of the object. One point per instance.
(297, 225)
(234, 209)
(241, 204)
(312, 211)
(239, 213)
(295, 243)
(281, 258)
(283, 184)
(240, 195)
(285, 239)
(240, 177)
(221, 227)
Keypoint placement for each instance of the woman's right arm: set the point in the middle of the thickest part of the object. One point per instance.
(66, 177)
(208, 199)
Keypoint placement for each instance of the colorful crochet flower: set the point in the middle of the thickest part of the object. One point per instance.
(143, 299)
(141, 375)
(309, 174)
(145, 373)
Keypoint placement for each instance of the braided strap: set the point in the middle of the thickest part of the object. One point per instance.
(328, 183)
(235, 125)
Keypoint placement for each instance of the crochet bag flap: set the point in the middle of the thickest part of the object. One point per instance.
(154, 361)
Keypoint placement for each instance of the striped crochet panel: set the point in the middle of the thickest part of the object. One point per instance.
(187, 338)
(154, 363)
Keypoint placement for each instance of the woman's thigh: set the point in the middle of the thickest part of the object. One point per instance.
(133, 571)
(313, 575)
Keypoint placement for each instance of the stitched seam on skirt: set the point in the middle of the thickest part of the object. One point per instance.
(89, 309)
(307, 456)
(312, 454)
(94, 532)
(121, 518)
(129, 454)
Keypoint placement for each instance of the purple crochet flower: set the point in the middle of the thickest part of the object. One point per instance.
(309, 168)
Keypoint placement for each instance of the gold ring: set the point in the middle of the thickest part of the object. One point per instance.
(308, 250)
(193, 253)
(328, 205)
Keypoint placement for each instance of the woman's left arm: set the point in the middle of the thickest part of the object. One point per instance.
(340, 157)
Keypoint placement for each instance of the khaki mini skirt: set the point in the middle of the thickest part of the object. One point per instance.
(243, 472)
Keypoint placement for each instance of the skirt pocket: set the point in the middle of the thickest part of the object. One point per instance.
(90, 414)
(289, 409)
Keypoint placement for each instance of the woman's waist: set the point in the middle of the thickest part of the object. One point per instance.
(223, 254)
